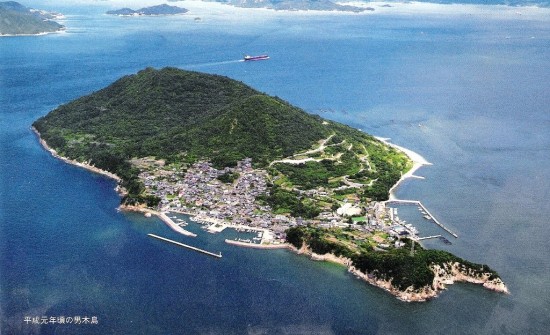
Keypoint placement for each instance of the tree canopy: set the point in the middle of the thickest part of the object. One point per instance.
(185, 116)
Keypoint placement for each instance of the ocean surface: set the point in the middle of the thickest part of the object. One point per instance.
(465, 87)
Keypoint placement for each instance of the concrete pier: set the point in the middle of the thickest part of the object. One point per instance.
(174, 226)
(418, 203)
(258, 245)
(428, 237)
(185, 246)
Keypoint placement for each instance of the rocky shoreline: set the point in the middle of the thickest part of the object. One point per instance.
(86, 166)
(60, 30)
(444, 275)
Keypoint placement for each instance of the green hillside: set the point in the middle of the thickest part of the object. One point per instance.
(182, 116)
(404, 267)
(16, 19)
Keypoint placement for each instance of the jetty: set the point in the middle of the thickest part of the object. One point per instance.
(428, 237)
(258, 245)
(219, 255)
(175, 227)
(428, 214)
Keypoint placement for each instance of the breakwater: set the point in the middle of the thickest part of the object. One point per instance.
(258, 245)
(219, 255)
(430, 215)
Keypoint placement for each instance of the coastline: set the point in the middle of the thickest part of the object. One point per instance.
(163, 217)
(444, 275)
(76, 163)
(417, 159)
(258, 245)
(118, 189)
(60, 31)
(218, 10)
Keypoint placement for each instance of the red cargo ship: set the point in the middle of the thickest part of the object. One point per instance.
(260, 57)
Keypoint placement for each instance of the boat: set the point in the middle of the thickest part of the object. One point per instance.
(259, 57)
(444, 240)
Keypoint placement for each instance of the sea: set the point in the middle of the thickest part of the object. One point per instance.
(464, 85)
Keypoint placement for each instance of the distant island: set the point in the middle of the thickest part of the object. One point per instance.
(232, 157)
(153, 10)
(294, 5)
(16, 19)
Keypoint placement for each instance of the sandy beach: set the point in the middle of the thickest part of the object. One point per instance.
(417, 159)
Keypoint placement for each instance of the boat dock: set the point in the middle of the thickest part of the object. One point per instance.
(258, 245)
(175, 227)
(428, 214)
(185, 246)
(428, 237)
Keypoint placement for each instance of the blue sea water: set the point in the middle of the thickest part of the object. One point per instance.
(468, 91)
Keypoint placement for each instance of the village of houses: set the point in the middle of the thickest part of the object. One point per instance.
(199, 193)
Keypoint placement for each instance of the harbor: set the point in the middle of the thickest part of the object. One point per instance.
(175, 227)
(257, 245)
(425, 211)
(218, 255)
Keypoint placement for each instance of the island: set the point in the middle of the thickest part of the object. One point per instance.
(16, 20)
(232, 157)
(296, 5)
(149, 11)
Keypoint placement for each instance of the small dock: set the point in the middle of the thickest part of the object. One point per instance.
(175, 227)
(428, 214)
(219, 255)
(428, 237)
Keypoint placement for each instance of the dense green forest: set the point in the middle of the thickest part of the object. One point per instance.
(397, 264)
(175, 114)
(184, 116)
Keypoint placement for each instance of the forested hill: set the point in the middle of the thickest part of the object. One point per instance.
(16, 19)
(176, 114)
(153, 10)
(182, 116)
